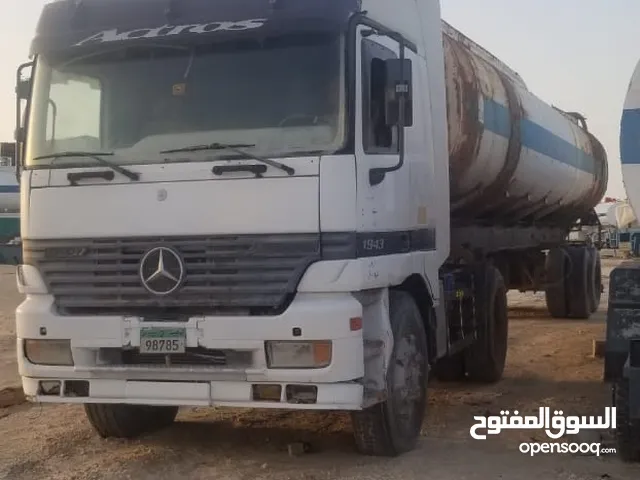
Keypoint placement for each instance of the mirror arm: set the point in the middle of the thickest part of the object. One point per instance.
(377, 175)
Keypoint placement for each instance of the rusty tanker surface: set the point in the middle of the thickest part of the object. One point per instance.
(513, 158)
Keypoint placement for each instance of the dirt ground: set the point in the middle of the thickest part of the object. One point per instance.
(549, 364)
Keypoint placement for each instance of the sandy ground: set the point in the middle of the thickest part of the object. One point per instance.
(549, 364)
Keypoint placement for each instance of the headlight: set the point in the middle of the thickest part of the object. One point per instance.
(296, 354)
(48, 352)
(29, 280)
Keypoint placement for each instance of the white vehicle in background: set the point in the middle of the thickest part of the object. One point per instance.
(622, 346)
(274, 204)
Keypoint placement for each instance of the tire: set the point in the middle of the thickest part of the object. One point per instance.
(556, 292)
(627, 430)
(485, 359)
(384, 429)
(450, 369)
(578, 283)
(128, 421)
(594, 280)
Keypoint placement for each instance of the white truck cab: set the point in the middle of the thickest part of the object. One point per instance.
(247, 204)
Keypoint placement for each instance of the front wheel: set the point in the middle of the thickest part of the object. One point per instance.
(393, 426)
(128, 421)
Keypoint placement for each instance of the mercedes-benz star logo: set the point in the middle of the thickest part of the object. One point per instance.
(161, 271)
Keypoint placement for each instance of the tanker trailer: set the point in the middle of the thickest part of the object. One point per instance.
(522, 167)
(9, 202)
(343, 196)
(622, 345)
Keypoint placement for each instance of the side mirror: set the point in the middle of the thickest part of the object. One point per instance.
(20, 134)
(398, 91)
(23, 88)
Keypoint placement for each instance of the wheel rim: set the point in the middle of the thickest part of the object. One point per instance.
(408, 383)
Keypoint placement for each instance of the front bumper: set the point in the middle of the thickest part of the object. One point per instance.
(340, 396)
(311, 316)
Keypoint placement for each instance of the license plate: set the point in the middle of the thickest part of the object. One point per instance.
(162, 340)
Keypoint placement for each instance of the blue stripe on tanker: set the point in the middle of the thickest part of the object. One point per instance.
(9, 189)
(630, 137)
(497, 119)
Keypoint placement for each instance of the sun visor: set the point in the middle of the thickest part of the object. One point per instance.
(75, 25)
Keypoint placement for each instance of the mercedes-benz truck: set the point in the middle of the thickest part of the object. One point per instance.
(285, 204)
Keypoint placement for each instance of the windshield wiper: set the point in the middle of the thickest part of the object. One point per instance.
(97, 156)
(234, 148)
(73, 177)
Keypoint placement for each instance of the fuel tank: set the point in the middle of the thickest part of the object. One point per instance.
(514, 159)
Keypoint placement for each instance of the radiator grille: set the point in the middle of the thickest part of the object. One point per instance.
(244, 274)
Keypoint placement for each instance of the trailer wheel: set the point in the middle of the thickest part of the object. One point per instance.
(578, 291)
(627, 430)
(128, 421)
(450, 369)
(393, 426)
(556, 291)
(485, 359)
(594, 280)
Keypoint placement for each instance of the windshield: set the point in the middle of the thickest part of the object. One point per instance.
(283, 96)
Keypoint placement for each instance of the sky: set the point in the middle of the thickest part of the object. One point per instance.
(578, 55)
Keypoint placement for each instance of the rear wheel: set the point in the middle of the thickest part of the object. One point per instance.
(578, 290)
(450, 369)
(485, 359)
(393, 426)
(128, 421)
(595, 279)
(556, 291)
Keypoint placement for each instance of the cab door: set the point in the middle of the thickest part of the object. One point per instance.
(383, 206)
